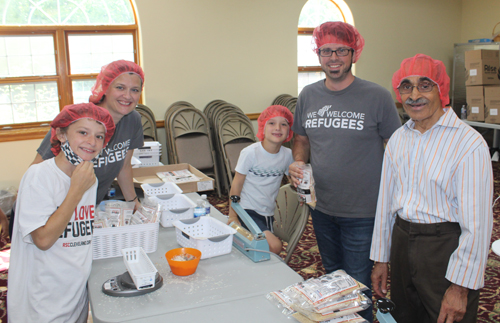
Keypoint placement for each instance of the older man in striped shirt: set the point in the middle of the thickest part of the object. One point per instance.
(434, 215)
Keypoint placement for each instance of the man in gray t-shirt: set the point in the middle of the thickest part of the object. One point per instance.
(341, 124)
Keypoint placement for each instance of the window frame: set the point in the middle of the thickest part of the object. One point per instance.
(308, 31)
(37, 130)
(347, 17)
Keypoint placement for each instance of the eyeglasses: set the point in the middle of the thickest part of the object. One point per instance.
(340, 52)
(422, 87)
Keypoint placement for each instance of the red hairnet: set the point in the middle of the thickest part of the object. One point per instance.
(338, 32)
(271, 112)
(72, 113)
(425, 66)
(109, 73)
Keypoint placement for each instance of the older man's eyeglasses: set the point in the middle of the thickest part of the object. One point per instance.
(340, 52)
(422, 87)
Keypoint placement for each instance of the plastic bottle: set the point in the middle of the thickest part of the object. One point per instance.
(206, 204)
(463, 112)
(199, 210)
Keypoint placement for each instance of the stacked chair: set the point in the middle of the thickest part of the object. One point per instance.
(290, 218)
(289, 102)
(148, 123)
(231, 131)
(189, 139)
(286, 100)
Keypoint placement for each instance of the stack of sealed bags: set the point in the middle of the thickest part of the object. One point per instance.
(118, 214)
(332, 298)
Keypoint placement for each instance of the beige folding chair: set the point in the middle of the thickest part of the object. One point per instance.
(234, 135)
(279, 99)
(148, 126)
(191, 141)
(290, 218)
(168, 113)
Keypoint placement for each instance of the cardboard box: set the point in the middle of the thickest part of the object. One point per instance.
(481, 67)
(475, 103)
(492, 104)
(148, 175)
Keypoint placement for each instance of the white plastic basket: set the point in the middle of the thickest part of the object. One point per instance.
(108, 242)
(165, 190)
(149, 161)
(209, 235)
(140, 267)
(177, 207)
(149, 146)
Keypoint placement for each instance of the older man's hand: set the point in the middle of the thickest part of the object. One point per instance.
(379, 276)
(453, 305)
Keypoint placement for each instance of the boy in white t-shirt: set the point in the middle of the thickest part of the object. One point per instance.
(51, 250)
(260, 169)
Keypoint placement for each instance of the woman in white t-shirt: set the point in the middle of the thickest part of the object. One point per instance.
(51, 253)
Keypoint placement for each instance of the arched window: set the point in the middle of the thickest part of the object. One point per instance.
(313, 14)
(50, 53)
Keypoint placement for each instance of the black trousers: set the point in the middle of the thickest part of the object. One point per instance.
(419, 258)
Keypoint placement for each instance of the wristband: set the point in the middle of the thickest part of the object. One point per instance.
(135, 198)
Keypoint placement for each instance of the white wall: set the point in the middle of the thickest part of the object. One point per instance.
(16, 158)
(244, 51)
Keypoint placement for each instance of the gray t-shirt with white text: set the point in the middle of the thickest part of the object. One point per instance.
(346, 131)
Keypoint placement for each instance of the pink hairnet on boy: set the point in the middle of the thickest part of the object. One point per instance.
(424, 66)
(109, 73)
(337, 32)
(271, 112)
(72, 113)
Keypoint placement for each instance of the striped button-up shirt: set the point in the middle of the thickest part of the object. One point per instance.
(442, 175)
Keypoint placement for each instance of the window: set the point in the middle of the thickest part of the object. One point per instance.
(313, 14)
(50, 54)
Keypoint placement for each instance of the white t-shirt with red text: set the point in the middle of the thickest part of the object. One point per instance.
(51, 285)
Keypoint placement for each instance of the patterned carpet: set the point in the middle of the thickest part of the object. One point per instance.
(307, 262)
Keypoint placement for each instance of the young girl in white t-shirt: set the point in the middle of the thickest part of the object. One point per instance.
(51, 253)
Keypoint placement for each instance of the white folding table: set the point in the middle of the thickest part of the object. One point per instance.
(227, 288)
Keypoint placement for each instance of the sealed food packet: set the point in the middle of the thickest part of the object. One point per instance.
(148, 212)
(282, 301)
(127, 211)
(119, 213)
(100, 220)
(326, 288)
(354, 307)
(338, 304)
(351, 318)
(305, 189)
(322, 299)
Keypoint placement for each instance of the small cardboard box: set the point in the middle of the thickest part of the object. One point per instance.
(481, 67)
(148, 175)
(475, 103)
(492, 104)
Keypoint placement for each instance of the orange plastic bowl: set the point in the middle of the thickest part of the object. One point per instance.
(183, 268)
